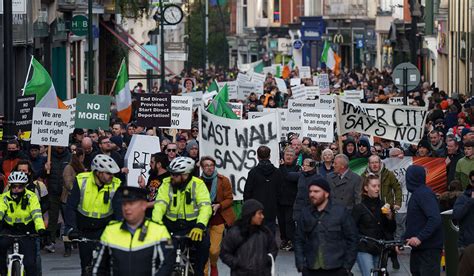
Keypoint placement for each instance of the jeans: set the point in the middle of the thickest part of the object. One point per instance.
(215, 234)
(366, 261)
(53, 213)
(400, 218)
(425, 262)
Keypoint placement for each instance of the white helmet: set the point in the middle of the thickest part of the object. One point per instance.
(18, 178)
(104, 163)
(181, 165)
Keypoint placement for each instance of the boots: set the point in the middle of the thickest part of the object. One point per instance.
(67, 249)
(214, 271)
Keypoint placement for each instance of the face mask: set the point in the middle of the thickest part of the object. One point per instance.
(13, 153)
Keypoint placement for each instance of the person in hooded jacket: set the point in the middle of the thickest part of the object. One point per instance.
(350, 148)
(363, 148)
(249, 247)
(308, 173)
(263, 184)
(463, 213)
(423, 226)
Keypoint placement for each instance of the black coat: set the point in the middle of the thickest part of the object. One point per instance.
(302, 199)
(289, 187)
(264, 184)
(248, 254)
(371, 222)
(55, 178)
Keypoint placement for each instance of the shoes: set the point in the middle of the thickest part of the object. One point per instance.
(214, 271)
(288, 246)
(67, 250)
(283, 244)
(50, 247)
(395, 263)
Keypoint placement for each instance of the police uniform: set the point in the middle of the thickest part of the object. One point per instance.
(88, 211)
(142, 251)
(181, 210)
(20, 217)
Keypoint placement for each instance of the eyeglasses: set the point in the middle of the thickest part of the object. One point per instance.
(195, 130)
(171, 150)
(209, 166)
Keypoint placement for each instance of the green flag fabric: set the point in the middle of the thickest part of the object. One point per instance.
(219, 106)
(213, 87)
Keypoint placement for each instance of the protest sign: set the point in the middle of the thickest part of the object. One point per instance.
(50, 127)
(312, 92)
(324, 84)
(290, 126)
(353, 95)
(24, 112)
(298, 92)
(181, 112)
(255, 114)
(232, 87)
(305, 72)
(396, 123)
(92, 111)
(154, 110)
(237, 108)
(327, 102)
(257, 77)
(241, 77)
(138, 155)
(234, 146)
(197, 99)
(295, 82)
(245, 88)
(281, 85)
(316, 81)
(295, 106)
(318, 124)
(71, 106)
(395, 100)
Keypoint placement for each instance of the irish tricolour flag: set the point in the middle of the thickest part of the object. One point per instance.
(123, 98)
(42, 86)
(332, 60)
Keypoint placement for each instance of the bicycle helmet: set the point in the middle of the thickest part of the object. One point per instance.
(18, 178)
(181, 165)
(104, 163)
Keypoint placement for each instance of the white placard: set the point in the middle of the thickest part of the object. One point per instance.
(324, 84)
(316, 80)
(353, 94)
(295, 106)
(197, 98)
(298, 92)
(176, 56)
(395, 100)
(245, 88)
(318, 124)
(243, 77)
(232, 88)
(281, 84)
(234, 146)
(290, 126)
(305, 72)
(237, 108)
(312, 92)
(137, 158)
(18, 7)
(257, 77)
(181, 112)
(50, 126)
(71, 106)
(295, 82)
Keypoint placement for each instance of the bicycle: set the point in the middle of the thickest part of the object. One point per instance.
(15, 265)
(385, 246)
(183, 265)
(85, 240)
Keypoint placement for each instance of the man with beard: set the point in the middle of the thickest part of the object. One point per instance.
(438, 148)
(105, 147)
(326, 236)
(454, 155)
(158, 164)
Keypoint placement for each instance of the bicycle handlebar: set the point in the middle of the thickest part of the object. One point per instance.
(27, 235)
(82, 239)
(386, 243)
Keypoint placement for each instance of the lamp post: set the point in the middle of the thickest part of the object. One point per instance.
(162, 46)
(8, 73)
(90, 53)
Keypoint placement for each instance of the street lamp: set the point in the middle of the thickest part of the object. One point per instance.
(8, 73)
(90, 53)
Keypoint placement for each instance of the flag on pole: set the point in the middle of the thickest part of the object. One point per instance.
(256, 67)
(287, 69)
(219, 105)
(123, 98)
(213, 87)
(42, 86)
(332, 60)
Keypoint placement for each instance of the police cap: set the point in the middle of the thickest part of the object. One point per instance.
(133, 193)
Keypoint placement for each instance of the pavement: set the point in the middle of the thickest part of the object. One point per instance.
(54, 264)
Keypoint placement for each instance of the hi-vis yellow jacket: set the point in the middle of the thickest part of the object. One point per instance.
(22, 215)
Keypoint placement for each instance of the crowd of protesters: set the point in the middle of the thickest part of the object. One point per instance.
(312, 199)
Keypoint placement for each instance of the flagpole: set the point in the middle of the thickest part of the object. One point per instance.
(115, 81)
(27, 74)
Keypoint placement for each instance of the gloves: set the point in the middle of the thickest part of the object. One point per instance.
(42, 232)
(74, 234)
(196, 234)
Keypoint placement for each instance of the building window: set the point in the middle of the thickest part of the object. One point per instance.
(276, 11)
(264, 8)
(244, 13)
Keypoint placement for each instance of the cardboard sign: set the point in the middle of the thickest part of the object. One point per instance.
(295, 82)
(154, 110)
(324, 84)
(298, 92)
(243, 77)
(181, 112)
(197, 99)
(237, 108)
(312, 92)
(281, 84)
(395, 100)
(92, 111)
(305, 72)
(71, 106)
(295, 106)
(318, 124)
(137, 158)
(50, 127)
(245, 88)
(257, 77)
(234, 146)
(24, 112)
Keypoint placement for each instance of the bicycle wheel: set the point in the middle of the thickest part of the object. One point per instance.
(16, 268)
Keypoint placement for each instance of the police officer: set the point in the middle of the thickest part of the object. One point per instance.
(88, 209)
(183, 204)
(133, 246)
(20, 212)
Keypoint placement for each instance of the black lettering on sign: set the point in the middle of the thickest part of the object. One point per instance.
(260, 135)
(238, 160)
(238, 185)
(407, 134)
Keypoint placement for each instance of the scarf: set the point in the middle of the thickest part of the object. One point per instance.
(213, 177)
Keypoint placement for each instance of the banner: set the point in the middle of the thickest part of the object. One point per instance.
(243, 77)
(50, 127)
(257, 77)
(137, 158)
(312, 92)
(181, 112)
(318, 124)
(396, 123)
(234, 146)
(92, 111)
(245, 88)
(154, 110)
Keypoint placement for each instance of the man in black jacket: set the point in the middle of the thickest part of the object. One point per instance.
(326, 236)
(454, 154)
(263, 184)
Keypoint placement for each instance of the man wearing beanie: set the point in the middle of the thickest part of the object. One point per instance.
(326, 236)
(423, 226)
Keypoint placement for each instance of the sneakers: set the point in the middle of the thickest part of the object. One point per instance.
(288, 246)
(283, 244)
(50, 247)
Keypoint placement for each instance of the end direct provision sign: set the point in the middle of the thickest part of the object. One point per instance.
(92, 111)
(154, 110)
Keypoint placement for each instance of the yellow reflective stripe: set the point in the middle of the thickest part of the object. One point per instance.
(7, 218)
(191, 216)
(95, 214)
